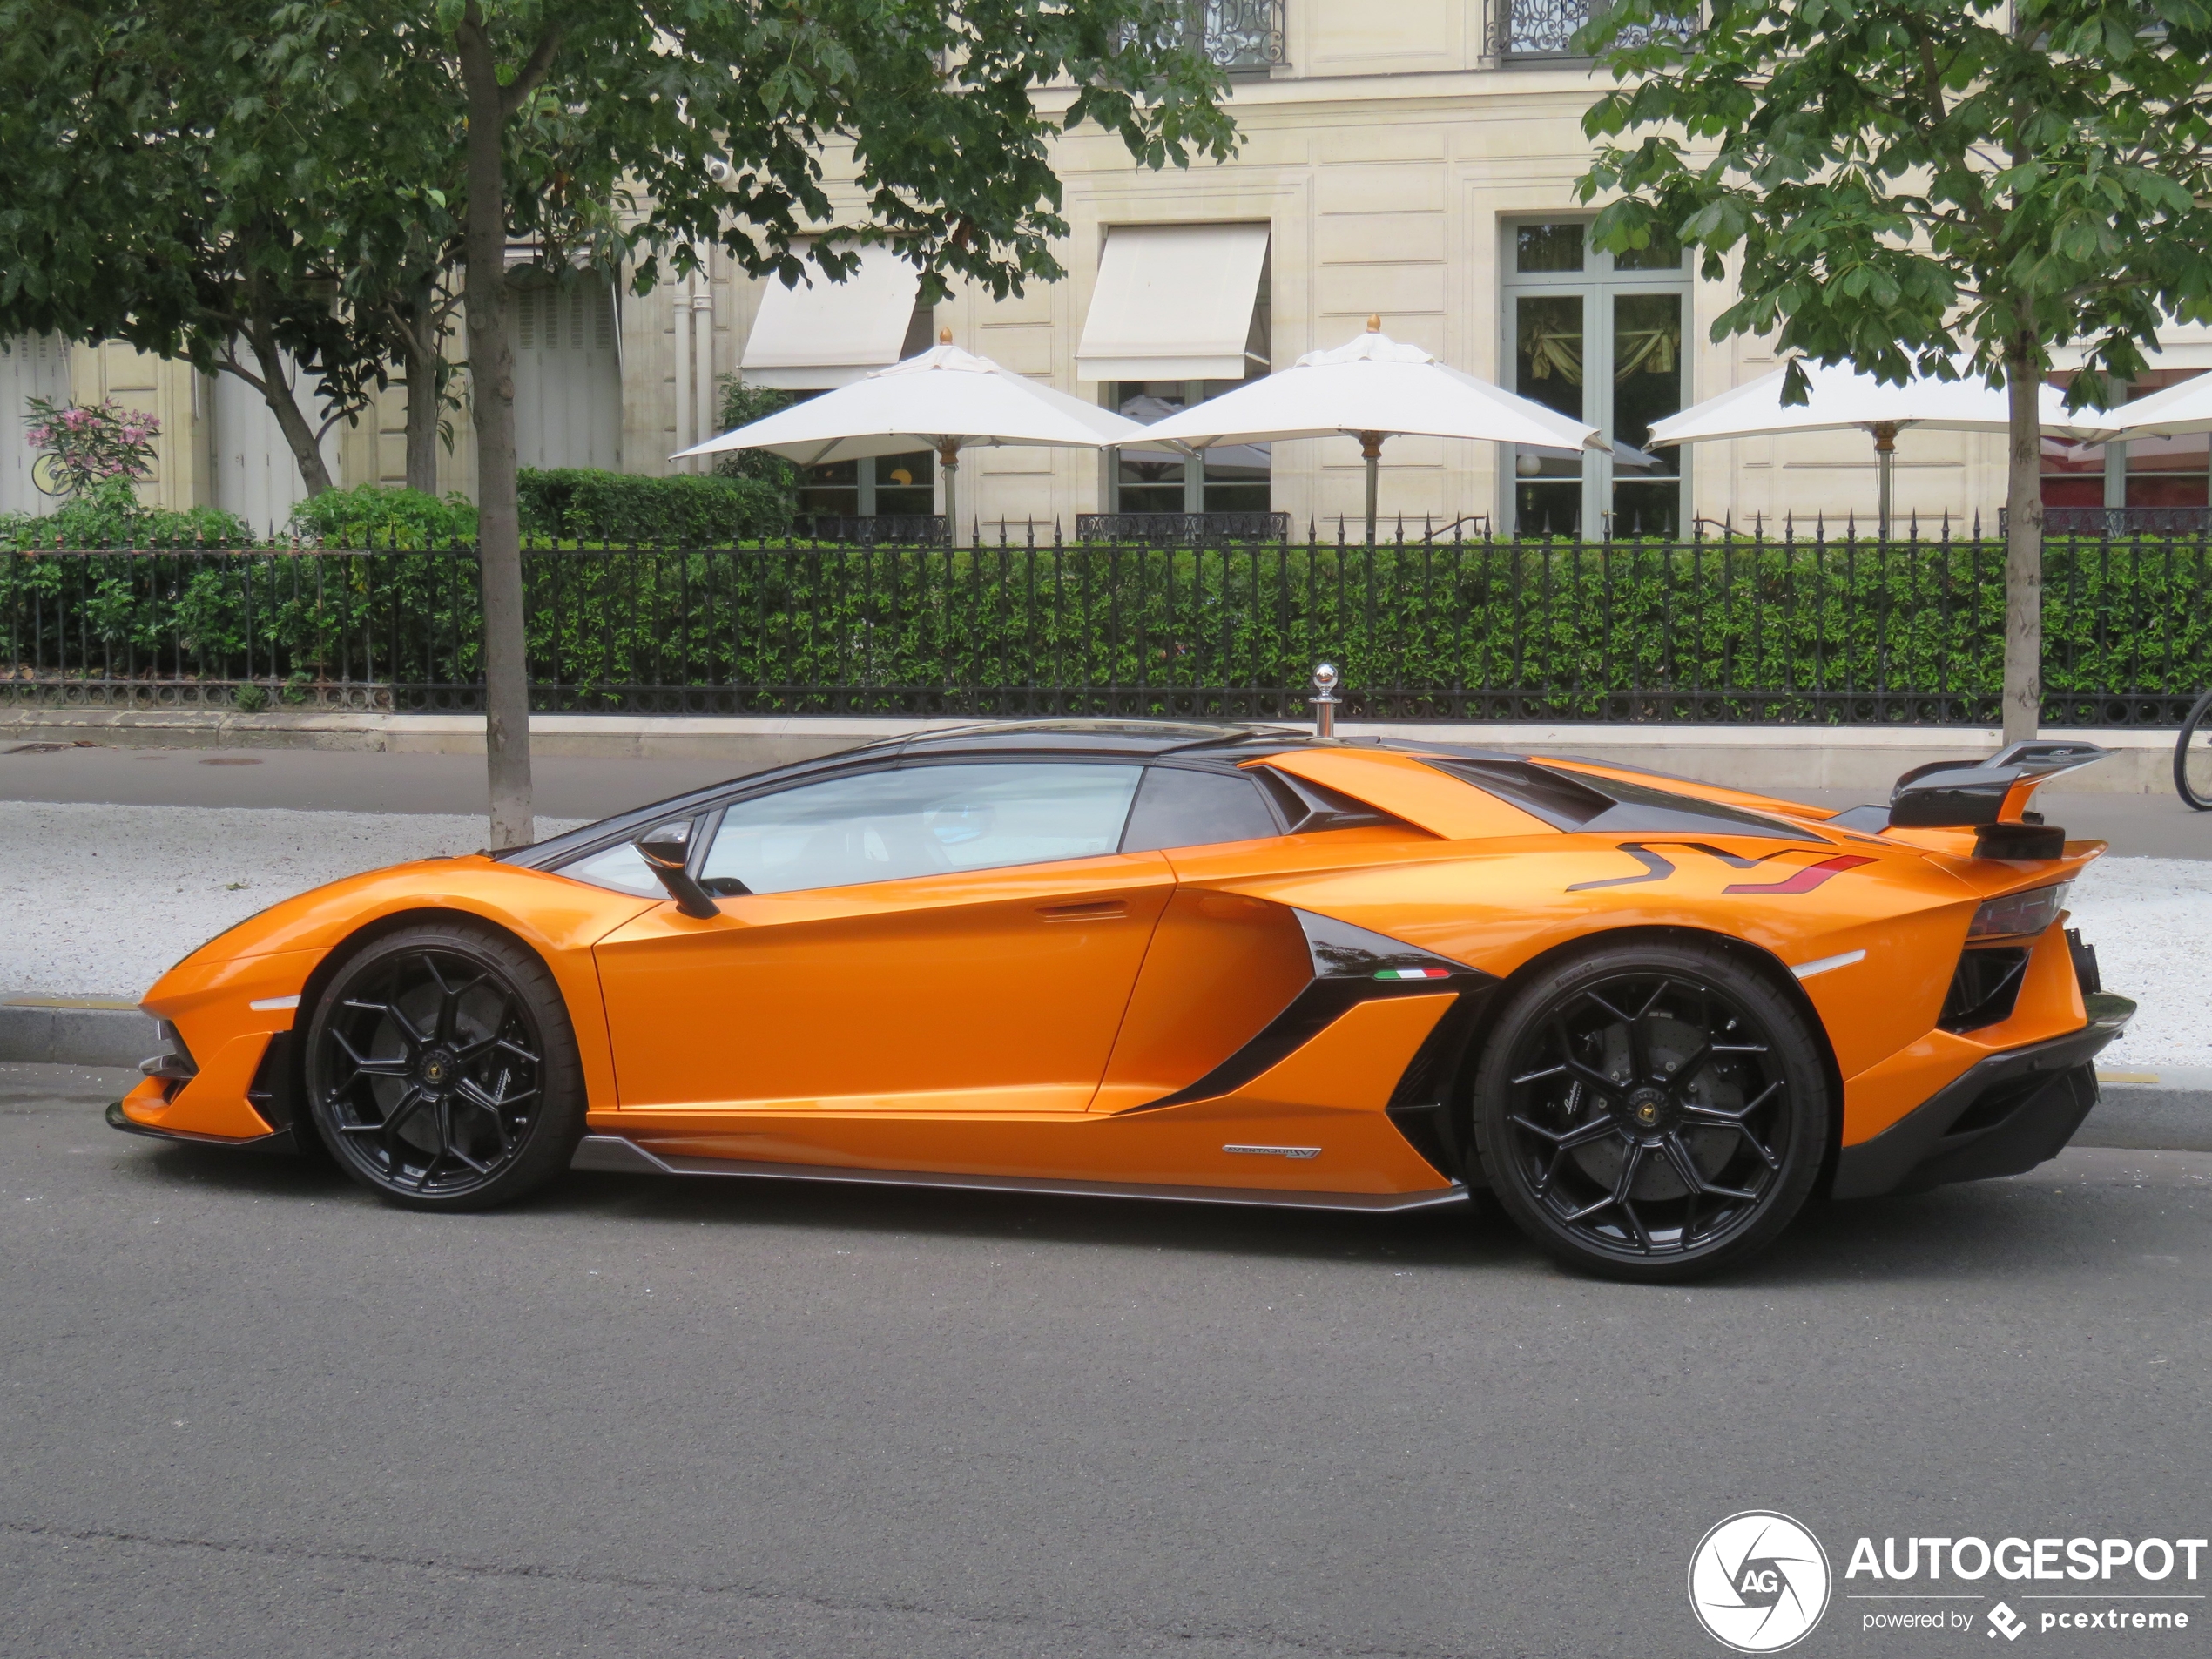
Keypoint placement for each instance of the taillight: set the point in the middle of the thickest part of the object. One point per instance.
(2019, 914)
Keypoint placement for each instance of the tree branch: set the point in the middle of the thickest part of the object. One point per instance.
(533, 70)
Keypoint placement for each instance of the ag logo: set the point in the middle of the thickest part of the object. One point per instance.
(1758, 1581)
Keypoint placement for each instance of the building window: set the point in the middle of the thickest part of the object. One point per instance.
(1599, 338)
(1521, 29)
(878, 486)
(2162, 473)
(568, 371)
(1241, 36)
(1231, 478)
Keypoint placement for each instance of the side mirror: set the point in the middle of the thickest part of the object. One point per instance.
(666, 848)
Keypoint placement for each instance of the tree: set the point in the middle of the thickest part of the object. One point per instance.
(721, 119)
(153, 195)
(1906, 181)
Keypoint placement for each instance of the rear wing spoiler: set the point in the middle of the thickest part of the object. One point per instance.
(1992, 797)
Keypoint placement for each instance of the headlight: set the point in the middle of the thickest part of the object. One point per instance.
(2018, 914)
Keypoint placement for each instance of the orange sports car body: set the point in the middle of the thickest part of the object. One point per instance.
(1190, 962)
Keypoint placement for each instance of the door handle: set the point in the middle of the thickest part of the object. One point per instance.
(1094, 910)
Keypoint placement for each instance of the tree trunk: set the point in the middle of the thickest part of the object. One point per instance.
(424, 352)
(276, 392)
(491, 369)
(2023, 547)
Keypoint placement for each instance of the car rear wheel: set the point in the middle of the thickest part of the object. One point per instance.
(442, 1070)
(1652, 1111)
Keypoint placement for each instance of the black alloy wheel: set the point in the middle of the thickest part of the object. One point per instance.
(442, 1070)
(2192, 756)
(1653, 1111)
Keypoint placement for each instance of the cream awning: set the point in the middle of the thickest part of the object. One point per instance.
(831, 334)
(1174, 302)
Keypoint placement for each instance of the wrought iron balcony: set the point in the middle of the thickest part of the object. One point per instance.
(1524, 29)
(1241, 36)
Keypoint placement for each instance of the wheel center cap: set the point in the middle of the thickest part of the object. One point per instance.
(437, 1067)
(1646, 1106)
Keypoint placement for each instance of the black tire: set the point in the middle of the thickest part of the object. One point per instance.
(1652, 1111)
(2192, 756)
(442, 1070)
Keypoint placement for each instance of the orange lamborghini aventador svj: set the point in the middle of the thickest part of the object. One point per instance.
(1223, 963)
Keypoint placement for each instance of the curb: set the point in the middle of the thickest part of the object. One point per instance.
(74, 1031)
(2166, 1114)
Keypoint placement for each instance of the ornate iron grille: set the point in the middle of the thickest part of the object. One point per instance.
(1243, 34)
(1545, 28)
(1183, 529)
(2122, 520)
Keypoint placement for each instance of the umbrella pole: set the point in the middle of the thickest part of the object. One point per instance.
(1371, 447)
(1885, 457)
(948, 458)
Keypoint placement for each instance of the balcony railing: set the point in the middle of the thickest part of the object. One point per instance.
(1245, 36)
(1525, 29)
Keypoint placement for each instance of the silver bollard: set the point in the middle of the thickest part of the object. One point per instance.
(1325, 704)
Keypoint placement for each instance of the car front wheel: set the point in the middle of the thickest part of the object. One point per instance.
(1652, 1111)
(442, 1070)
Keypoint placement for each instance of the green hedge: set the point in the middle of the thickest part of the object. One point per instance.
(375, 516)
(627, 509)
(1910, 632)
(113, 517)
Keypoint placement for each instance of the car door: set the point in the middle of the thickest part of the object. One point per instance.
(955, 936)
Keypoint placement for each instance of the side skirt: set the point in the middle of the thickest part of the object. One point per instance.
(613, 1154)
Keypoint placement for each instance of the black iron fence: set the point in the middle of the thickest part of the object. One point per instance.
(1736, 630)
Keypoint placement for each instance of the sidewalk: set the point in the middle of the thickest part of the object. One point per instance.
(1780, 757)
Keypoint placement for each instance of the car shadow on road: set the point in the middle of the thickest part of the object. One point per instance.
(1983, 1231)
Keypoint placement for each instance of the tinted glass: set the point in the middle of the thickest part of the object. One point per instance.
(1548, 369)
(1647, 387)
(1664, 254)
(1548, 247)
(921, 820)
(1178, 808)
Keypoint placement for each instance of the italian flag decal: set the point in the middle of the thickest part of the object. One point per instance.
(1413, 973)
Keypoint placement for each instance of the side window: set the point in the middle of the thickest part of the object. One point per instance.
(920, 820)
(1180, 808)
(620, 868)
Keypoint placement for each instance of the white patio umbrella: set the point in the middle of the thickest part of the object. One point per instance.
(2179, 410)
(1371, 389)
(945, 399)
(1840, 397)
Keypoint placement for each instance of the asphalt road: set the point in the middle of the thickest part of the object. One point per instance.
(327, 781)
(245, 1408)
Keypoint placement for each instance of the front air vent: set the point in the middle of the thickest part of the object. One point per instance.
(1985, 988)
(173, 1066)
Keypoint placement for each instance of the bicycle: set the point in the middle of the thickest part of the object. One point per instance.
(2192, 756)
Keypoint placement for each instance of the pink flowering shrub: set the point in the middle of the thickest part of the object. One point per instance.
(104, 443)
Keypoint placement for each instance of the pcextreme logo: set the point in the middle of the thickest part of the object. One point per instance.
(1759, 1581)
